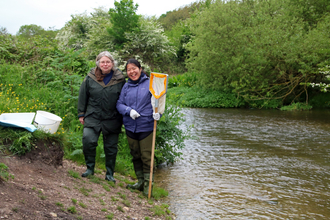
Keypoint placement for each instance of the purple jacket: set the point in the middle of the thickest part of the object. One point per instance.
(138, 97)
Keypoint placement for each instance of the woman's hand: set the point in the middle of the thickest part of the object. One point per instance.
(156, 116)
(134, 114)
(81, 119)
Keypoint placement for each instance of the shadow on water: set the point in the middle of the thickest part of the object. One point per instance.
(252, 164)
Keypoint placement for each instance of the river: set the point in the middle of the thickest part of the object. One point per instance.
(251, 164)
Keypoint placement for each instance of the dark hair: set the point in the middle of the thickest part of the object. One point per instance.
(133, 61)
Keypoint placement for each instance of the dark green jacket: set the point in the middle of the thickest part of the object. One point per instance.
(97, 102)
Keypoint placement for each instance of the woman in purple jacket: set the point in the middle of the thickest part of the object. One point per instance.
(135, 105)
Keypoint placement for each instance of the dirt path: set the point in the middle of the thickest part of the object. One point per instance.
(45, 187)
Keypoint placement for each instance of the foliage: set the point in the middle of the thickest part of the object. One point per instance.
(311, 11)
(124, 20)
(74, 33)
(169, 19)
(200, 98)
(182, 80)
(325, 76)
(296, 107)
(319, 99)
(4, 175)
(159, 193)
(148, 42)
(98, 38)
(27, 31)
(20, 141)
(170, 136)
(258, 49)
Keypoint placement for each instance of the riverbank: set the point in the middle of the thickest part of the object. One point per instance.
(41, 185)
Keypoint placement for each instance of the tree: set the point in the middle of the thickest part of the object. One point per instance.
(256, 49)
(149, 42)
(27, 31)
(124, 20)
(74, 33)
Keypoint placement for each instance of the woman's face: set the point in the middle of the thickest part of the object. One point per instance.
(105, 65)
(133, 72)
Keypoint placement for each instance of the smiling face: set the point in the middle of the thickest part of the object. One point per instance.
(133, 72)
(105, 65)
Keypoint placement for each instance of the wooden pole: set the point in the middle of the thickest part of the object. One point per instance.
(152, 153)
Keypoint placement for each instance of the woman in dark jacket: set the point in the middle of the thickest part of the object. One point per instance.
(97, 111)
(135, 105)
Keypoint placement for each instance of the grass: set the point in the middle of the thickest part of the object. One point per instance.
(110, 216)
(114, 199)
(123, 196)
(72, 210)
(127, 203)
(85, 191)
(82, 205)
(4, 175)
(106, 187)
(59, 204)
(120, 208)
(158, 210)
(74, 174)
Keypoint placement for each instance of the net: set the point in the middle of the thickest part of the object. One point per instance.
(158, 89)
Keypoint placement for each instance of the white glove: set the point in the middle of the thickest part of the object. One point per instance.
(134, 114)
(156, 116)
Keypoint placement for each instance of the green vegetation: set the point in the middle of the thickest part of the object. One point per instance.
(59, 204)
(74, 174)
(110, 216)
(74, 201)
(82, 205)
(124, 20)
(4, 175)
(120, 208)
(72, 210)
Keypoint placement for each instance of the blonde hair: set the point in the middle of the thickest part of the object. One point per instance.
(105, 54)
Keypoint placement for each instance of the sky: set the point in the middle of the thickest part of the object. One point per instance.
(55, 13)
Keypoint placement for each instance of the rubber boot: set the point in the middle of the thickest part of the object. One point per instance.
(90, 163)
(110, 167)
(146, 184)
(139, 185)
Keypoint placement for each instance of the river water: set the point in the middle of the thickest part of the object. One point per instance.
(251, 164)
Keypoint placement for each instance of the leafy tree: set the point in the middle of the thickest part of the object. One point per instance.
(28, 31)
(98, 38)
(311, 11)
(149, 42)
(124, 20)
(74, 33)
(169, 19)
(255, 48)
(3, 31)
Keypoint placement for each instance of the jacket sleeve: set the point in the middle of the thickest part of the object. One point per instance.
(122, 108)
(83, 99)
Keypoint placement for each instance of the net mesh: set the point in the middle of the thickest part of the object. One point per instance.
(158, 88)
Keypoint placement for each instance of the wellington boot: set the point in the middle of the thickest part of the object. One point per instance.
(146, 184)
(110, 167)
(90, 163)
(87, 173)
(139, 185)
